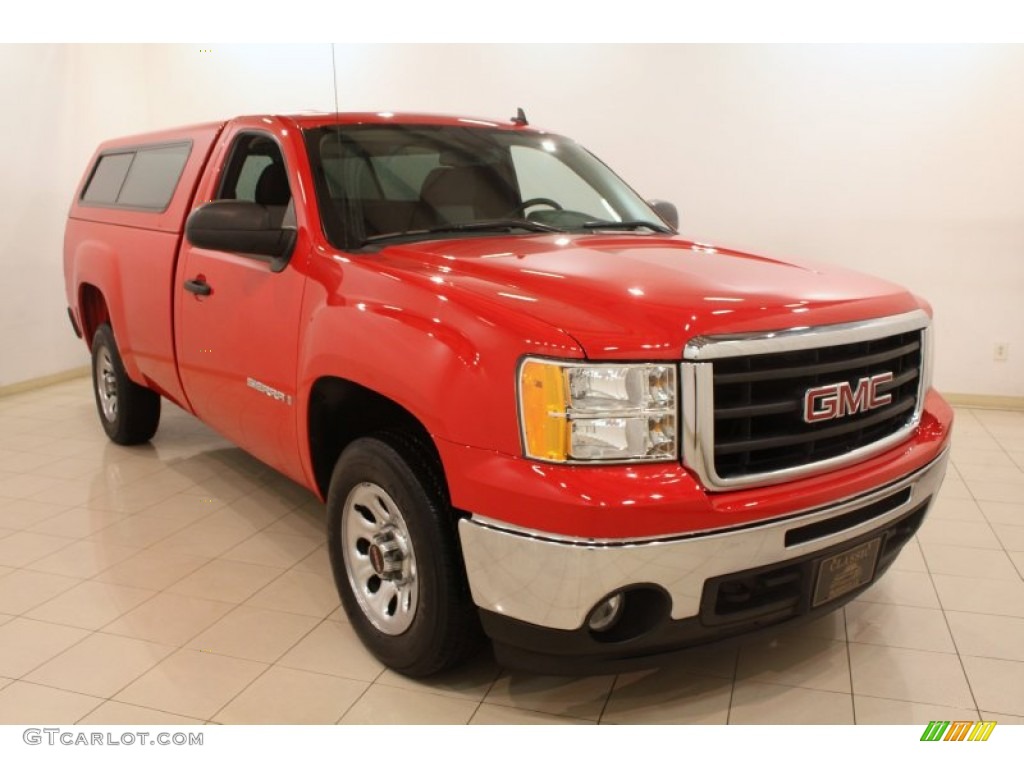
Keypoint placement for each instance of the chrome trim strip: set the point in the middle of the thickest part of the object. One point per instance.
(801, 337)
(698, 408)
(537, 578)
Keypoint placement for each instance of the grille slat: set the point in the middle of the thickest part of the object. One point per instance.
(746, 411)
(787, 440)
(811, 370)
(759, 403)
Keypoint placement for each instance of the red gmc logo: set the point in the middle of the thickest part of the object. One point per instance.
(833, 401)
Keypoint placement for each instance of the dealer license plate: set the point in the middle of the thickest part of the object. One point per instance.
(846, 571)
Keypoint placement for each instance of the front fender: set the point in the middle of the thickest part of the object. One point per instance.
(443, 355)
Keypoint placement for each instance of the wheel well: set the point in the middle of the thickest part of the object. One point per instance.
(92, 309)
(341, 411)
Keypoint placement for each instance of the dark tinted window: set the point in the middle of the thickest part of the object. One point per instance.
(141, 178)
(256, 173)
(249, 176)
(108, 177)
(153, 176)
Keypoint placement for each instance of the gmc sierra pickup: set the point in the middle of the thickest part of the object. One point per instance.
(534, 411)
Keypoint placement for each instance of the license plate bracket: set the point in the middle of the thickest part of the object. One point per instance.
(846, 571)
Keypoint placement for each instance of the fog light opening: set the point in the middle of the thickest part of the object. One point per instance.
(606, 613)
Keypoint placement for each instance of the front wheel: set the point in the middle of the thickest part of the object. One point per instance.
(395, 558)
(129, 413)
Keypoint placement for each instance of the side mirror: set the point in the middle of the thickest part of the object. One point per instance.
(240, 227)
(667, 211)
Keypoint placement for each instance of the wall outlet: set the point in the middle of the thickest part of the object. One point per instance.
(1001, 352)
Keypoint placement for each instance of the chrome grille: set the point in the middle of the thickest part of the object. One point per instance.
(745, 422)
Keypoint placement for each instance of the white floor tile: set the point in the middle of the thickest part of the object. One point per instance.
(169, 619)
(254, 633)
(27, 703)
(874, 711)
(90, 605)
(23, 548)
(582, 697)
(151, 569)
(924, 677)
(84, 558)
(674, 696)
(471, 681)
(333, 648)
(226, 580)
(22, 590)
(24, 514)
(899, 626)
(77, 522)
(192, 683)
(25, 644)
(381, 705)
(296, 591)
(118, 713)
(804, 662)
(100, 665)
(277, 550)
(998, 684)
(961, 533)
(902, 588)
(952, 560)
(292, 696)
(761, 703)
(494, 714)
(998, 597)
(995, 637)
(997, 512)
(995, 490)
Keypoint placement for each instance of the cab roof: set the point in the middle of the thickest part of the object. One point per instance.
(320, 119)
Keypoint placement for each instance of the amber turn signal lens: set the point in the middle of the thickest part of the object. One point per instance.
(542, 392)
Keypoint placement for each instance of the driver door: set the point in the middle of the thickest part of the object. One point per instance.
(237, 320)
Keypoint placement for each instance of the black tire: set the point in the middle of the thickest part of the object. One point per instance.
(443, 628)
(129, 413)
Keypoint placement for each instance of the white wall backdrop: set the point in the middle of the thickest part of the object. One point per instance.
(903, 161)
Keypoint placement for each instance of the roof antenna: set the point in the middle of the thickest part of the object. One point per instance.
(520, 118)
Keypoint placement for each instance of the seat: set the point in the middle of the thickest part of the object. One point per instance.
(458, 194)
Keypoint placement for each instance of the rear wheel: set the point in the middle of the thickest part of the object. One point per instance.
(129, 413)
(395, 558)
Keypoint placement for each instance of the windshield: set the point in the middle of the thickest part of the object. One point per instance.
(396, 183)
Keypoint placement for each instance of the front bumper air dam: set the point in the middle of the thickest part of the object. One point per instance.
(536, 591)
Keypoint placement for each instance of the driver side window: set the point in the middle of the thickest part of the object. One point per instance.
(256, 173)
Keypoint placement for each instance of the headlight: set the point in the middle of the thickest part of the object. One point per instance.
(572, 412)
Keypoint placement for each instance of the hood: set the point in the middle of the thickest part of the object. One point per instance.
(641, 296)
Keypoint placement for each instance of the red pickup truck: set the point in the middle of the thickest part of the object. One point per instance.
(534, 411)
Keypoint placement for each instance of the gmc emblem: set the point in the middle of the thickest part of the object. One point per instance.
(833, 401)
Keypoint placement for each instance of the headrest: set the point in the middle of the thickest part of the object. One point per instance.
(272, 187)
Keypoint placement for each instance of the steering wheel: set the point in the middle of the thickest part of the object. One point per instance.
(521, 208)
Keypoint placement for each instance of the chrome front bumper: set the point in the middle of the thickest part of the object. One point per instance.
(554, 582)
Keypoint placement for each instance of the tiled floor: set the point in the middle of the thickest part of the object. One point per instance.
(184, 582)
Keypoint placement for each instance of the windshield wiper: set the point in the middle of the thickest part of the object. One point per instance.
(500, 224)
(485, 225)
(632, 224)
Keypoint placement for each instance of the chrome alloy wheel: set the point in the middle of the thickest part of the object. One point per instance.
(379, 558)
(106, 385)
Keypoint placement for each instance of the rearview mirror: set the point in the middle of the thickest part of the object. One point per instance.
(667, 211)
(240, 227)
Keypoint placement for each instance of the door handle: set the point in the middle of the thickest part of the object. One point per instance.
(198, 287)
